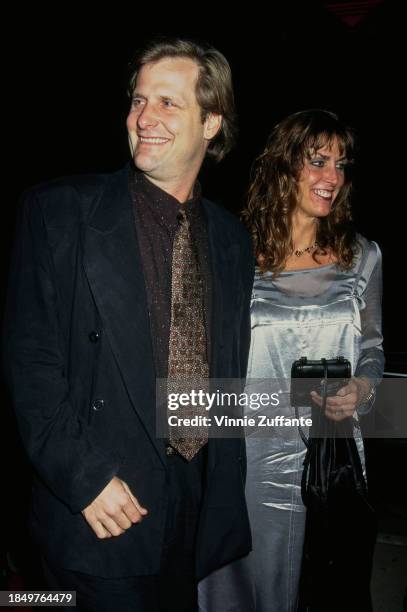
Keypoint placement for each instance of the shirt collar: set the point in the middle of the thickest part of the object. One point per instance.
(162, 203)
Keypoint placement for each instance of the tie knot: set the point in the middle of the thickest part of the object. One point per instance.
(181, 216)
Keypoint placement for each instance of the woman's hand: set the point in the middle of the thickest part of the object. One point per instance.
(344, 403)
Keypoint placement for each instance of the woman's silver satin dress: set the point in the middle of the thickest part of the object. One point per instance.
(320, 312)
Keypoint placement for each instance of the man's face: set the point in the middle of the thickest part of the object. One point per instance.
(167, 136)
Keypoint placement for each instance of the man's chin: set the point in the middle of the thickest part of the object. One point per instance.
(144, 163)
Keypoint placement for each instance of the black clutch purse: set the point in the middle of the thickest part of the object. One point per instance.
(325, 376)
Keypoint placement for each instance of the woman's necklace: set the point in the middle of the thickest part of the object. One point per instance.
(308, 249)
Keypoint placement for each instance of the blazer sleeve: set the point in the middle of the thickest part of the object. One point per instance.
(64, 451)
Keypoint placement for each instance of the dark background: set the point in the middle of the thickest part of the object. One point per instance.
(69, 72)
(68, 75)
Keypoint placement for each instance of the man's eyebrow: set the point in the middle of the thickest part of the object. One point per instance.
(173, 97)
(163, 96)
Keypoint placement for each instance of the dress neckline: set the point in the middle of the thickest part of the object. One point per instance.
(304, 283)
(302, 270)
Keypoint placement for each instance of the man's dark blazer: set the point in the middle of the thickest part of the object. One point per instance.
(80, 365)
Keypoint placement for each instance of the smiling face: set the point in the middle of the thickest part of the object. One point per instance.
(168, 138)
(320, 181)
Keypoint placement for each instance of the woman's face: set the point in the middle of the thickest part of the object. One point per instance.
(320, 181)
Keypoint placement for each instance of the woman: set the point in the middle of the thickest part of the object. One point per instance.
(317, 293)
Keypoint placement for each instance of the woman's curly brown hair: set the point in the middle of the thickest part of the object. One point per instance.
(273, 193)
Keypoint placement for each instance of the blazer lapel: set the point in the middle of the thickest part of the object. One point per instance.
(222, 252)
(114, 269)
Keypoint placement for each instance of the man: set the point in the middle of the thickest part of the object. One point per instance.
(121, 516)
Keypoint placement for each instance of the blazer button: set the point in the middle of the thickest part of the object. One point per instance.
(98, 404)
(94, 336)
